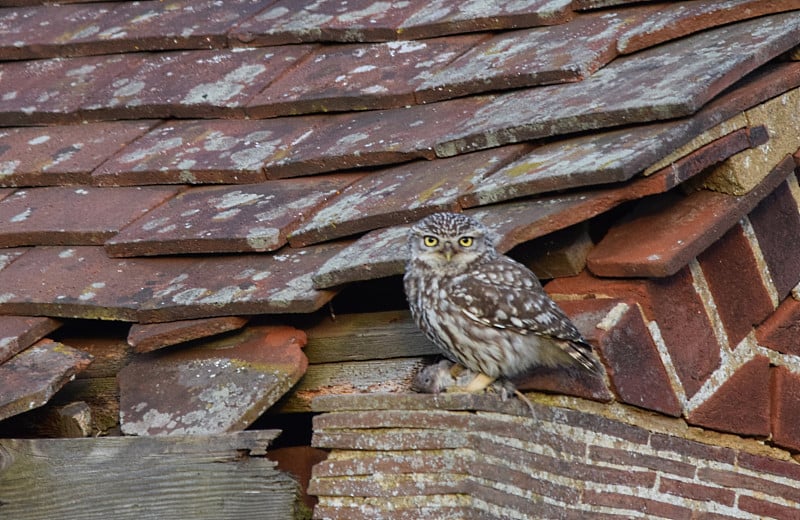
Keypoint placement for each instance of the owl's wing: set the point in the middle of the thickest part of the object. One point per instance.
(505, 294)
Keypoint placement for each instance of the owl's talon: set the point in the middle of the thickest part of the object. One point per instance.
(525, 400)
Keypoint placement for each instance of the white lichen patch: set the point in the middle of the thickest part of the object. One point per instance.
(9, 167)
(39, 140)
(222, 91)
(262, 238)
(157, 148)
(156, 223)
(22, 216)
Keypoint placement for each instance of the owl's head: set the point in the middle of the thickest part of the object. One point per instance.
(450, 241)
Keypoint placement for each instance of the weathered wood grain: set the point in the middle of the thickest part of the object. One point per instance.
(374, 335)
(176, 477)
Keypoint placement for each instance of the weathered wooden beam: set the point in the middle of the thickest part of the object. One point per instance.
(163, 477)
(373, 335)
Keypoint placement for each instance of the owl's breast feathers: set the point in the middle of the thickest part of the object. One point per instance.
(505, 294)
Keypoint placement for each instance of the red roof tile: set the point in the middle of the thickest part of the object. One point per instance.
(152, 336)
(247, 217)
(691, 71)
(220, 386)
(104, 28)
(213, 83)
(348, 77)
(663, 235)
(57, 215)
(401, 194)
(56, 155)
(31, 377)
(83, 282)
(19, 332)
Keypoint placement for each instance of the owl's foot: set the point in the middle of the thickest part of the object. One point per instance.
(525, 400)
(479, 383)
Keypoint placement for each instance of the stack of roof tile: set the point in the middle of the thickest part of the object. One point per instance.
(184, 168)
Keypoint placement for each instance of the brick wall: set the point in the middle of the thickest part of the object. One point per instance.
(456, 456)
(724, 325)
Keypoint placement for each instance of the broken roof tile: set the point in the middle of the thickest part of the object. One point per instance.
(370, 138)
(52, 91)
(538, 56)
(57, 215)
(56, 155)
(216, 151)
(213, 83)
(248, 217)
(662, 235)
(347, 77)
(32, 377)
(20, 332)
(219, 386)
(145, 337)
(106, 28)
(692, 71)
(401, 194)
(82, 282)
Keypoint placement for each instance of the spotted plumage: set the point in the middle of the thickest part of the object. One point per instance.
(483, 309)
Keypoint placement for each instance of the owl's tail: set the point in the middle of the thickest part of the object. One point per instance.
(582, 352)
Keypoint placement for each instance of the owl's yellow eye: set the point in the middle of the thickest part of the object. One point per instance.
(430, 241)
(466, 241)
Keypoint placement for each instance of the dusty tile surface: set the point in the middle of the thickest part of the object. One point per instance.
(251, 217)
(57, 215)
(214, 152)
(223, 386)
(58, 155)
(192, 83)
(331, 79)
(405, 193)
(622, 90)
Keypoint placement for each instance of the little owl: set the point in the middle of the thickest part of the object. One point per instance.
(482, 309)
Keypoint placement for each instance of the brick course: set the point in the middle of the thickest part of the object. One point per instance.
(624, 471)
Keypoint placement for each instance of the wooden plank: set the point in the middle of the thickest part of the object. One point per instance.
(373, 335)
(164, 477)
(357, 377)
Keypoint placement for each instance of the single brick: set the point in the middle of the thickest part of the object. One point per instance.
(677, 309)
(699, 492)
(618, 330)
(629, 458)
(688, 448)
(636, 503)
(776, 221)
(765, 508)
(730, 268)
(727, 411)
(785, 388)
(781, 330)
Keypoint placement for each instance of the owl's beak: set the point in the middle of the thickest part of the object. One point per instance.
(447, 251)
